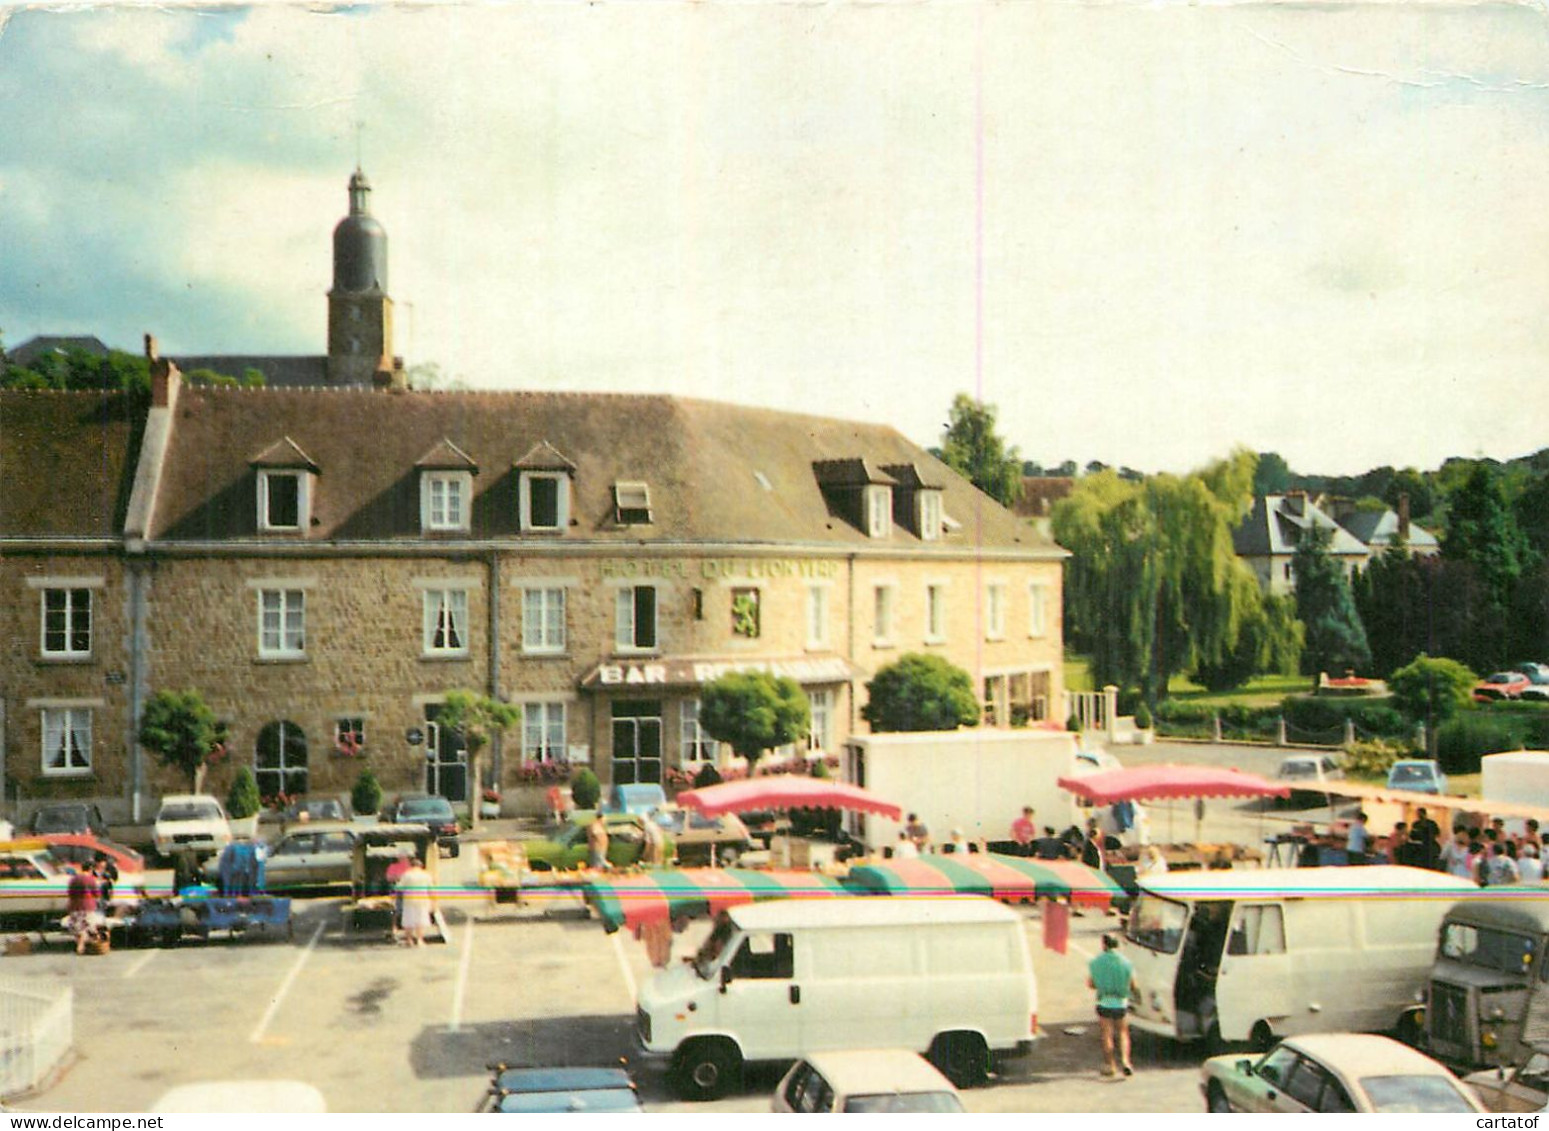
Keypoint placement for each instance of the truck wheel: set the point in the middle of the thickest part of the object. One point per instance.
(1410, 1031)
(705, 1069)
(1216, 1102)
(1263, 1037)
(961, 1057)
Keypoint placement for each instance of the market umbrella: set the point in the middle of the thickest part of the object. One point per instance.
(1010, 879)
(632, 900)
(786, 791)
(1154, 783)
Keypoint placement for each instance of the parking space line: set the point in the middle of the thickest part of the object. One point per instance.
(279, 996)
(462, 979)
(139, 964)
(629, 977)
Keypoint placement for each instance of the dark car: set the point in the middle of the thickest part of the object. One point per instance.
(318, 807)
(537, 1091)
(435, 813)
(68, 817)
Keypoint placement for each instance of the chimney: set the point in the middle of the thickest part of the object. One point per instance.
(165, 378)
(1403, 515)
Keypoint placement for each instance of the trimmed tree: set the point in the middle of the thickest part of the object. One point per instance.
(366, 795)
(753, 712)
(920, 692)
(478, 718)
(242, 799)
(181, 730)
(1431, 690)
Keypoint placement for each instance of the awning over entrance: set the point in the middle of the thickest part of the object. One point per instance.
(673, 671)
(634, 900)
(1010, 879)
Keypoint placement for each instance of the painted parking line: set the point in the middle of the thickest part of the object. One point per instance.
(139, 964)
(461, 986)
(290, 978)
(629, 976)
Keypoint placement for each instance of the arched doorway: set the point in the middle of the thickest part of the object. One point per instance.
(280, 764)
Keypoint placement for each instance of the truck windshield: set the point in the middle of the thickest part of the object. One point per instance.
(1489, 949)
(1156, 923)
(710, 953)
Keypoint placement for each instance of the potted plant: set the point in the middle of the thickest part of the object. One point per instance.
(1143, 732)
(243, 804)
(489, 803)
(366, 795)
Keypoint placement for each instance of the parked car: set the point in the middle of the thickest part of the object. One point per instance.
(317, 807)
(543, 1091)
(698, 836)
(68, 817)
(83, 848)
(426, 809)
(1334, 1072)
(34, 884)
(1535, 672)
(312, 855)
(190, 821)
(1303, 773)
(626, 841)
(639, 799)
(1417, 775)
(1524, 1088)
(869, 1081)
(1501, 685)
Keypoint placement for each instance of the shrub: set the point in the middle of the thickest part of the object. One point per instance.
(1373, 759)
(1143, 716)
(1073, 724)
(919, 692)
(366, 794)
(586, 790)
(1462, 740)
(1128, 700)
(242, 798)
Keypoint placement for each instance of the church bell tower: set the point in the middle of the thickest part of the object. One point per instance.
(360, 314)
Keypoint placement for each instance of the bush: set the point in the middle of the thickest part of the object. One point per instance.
(366, 794)
(242, 799)
(1462, 740)
(1373, 759)
(918, 692)
(1128, 700)
(586, 790)
(1073, 724)
(1322, 719)
(1143, 716)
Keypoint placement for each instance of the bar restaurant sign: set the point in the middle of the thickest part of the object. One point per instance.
(712, 569)
(693, 673)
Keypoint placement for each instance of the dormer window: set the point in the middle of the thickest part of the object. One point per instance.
(631, 503)
(929, 517)
(879, 510)
(445, 498)
(282, 500)
(545, 500)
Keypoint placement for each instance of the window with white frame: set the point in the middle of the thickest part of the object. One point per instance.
(929, 503)
(282, 622)
(994, 611)
(631, 503)
(543, 619)
(66, 741)
(543, 732)
(282, 500)
(445, 498)
(882, 598)
(1037, 609)
(817, 616)
(694, 745)
(66, 622)
(935, 613)
(821, 736)
(545, 500)
(879, 510)
(446, 622)
(634, 621)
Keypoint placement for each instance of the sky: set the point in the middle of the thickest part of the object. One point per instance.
(1146, 233)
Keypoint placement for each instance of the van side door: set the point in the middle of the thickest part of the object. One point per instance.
(761, 1001)
(1254, 983)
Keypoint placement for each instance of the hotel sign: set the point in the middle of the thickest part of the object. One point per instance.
(693, 673)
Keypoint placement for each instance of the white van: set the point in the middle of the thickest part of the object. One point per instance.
(1273, 952)
(951, 978)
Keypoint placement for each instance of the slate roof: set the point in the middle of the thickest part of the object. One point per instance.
(1272, 529)
(1379, 529)
(281, 371)
(67, 462)
(717, 473)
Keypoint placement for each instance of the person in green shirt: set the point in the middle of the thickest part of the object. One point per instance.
(1112, 976)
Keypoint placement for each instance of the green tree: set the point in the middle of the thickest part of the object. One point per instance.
(1432, 689)
(1271, 474)
(366, 794)
(479, 719)
(1335, 637)
(1483, 531)
(1415, 485)
(1269, 640)
(920, 692)
(242, 798)
(753, 712)
(972, 448)
(181, 730)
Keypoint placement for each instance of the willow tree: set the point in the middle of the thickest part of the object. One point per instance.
(1155, 588)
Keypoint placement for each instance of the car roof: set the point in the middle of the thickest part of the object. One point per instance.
(865, 1071)
(1355, 1055)
(183, 798)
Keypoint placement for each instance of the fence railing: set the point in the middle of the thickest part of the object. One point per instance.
(36, 1032)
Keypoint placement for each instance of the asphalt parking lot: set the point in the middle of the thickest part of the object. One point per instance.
(378, 1027)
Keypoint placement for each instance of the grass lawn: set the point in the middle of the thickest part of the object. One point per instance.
(1261, 691)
